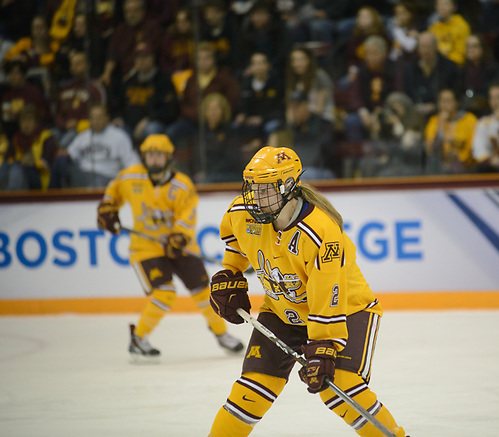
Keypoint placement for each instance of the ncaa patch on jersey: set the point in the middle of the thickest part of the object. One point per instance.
(253, 228)
(137, 188)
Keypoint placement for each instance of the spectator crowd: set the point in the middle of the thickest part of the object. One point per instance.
(359, 89)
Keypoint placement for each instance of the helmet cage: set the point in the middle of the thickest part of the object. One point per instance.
(284, 192)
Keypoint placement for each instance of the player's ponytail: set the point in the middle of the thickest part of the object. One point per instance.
(315, 198)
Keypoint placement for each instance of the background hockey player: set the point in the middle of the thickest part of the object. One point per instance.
(317, 300)
(163, 203)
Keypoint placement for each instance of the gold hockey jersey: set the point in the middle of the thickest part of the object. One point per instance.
(308, 270)
(157, 210)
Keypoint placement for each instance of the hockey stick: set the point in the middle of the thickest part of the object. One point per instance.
(188, 252)
(157, 240)
(285, 348)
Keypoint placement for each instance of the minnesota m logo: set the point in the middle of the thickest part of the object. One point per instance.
(254, 352)
(332, 251)
(281, 156)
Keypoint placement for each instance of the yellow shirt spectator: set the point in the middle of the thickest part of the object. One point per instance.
(454, 139)
(451, 37)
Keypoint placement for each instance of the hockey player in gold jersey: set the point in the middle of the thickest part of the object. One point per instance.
(163, 203)
(316, 298)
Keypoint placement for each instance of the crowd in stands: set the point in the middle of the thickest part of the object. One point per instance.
(359, 89)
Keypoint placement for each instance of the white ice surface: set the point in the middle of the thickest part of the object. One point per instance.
(70, 375)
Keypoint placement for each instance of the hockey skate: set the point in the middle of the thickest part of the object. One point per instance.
(229, 342)
(141, 350)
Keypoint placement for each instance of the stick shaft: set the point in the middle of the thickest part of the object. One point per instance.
(157, 240)
(338, 391)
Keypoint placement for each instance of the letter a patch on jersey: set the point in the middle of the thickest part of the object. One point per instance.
(293, 243)
(332, 252)
(254, 352)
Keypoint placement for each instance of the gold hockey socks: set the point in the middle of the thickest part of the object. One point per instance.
(160, 302)
(354, 386)
(251, 397)
(227, 425)
(202, 299)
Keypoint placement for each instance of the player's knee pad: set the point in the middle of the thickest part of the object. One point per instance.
(163, 298)
(355, 387)
(367, 429)
(252, 395)
(227, 425)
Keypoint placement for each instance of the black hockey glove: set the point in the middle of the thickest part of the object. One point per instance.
(107, 217)
(320, 356)
(229, 292)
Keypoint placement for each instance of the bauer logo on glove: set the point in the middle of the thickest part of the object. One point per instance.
(320, 356)
(107, 217)
(229, 291)
(228, 285)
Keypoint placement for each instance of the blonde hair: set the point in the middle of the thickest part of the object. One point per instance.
(222, 101)
(312, 196)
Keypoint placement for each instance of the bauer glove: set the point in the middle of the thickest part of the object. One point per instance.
(229, 292)
(107, 217)
(174, 243)
(320, 356)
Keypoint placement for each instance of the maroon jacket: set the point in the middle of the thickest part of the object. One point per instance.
(370, 89)
(222, 83)
(125, 39)
(15, 99)
(23, 144)
(75, 99)
(176, 53)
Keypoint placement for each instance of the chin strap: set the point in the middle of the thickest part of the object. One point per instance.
(297, 211)
(293, 193)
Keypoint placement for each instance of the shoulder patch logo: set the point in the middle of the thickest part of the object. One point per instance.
(332, 251)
